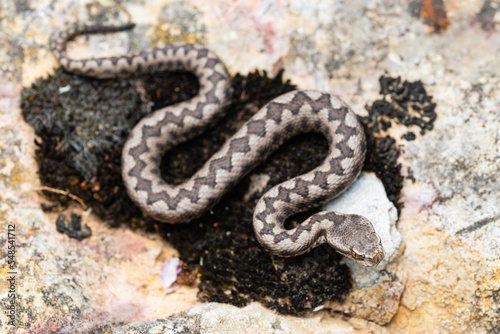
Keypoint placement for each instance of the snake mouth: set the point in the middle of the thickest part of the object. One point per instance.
(367, 261)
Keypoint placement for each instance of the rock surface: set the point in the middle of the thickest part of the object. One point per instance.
(377, 290)
(217, 318)
(450, 223)
(380, 212)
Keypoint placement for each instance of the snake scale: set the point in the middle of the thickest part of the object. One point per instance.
(285, 116)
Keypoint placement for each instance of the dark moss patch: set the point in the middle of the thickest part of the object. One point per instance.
(82, 125)
(73, 228)
(405, 103)
(82, 131)
(486, 16)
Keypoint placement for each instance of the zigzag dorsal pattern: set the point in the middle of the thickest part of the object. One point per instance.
(287, 115)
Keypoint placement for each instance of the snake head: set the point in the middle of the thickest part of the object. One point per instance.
(367, 249)
(354, 237)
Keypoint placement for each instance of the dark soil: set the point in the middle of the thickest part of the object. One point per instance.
(82, 124)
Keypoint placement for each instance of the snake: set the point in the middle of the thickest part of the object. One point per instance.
(285, 116)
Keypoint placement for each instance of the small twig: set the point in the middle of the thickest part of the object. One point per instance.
(65, 193)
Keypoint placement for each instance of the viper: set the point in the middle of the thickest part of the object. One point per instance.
(280, 119)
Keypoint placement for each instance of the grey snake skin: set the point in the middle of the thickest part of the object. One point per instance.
(285, 116)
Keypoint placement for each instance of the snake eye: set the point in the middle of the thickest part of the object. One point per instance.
(357, 256)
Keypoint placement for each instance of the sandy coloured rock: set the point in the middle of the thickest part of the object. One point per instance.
(449, 258)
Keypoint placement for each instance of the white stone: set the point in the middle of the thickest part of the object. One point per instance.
(367, 197)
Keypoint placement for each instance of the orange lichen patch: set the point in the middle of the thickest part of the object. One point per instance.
(96, 187)
(187, 278)
(97, 197)
(433, 14)
(72, 180)
(16, 175)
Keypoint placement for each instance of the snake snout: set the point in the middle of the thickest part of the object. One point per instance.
(378, 257)
(376, 249)
(368, 251)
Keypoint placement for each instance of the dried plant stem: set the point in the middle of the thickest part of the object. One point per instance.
(65, 193)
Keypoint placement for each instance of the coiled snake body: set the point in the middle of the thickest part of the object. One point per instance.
(292, 113)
